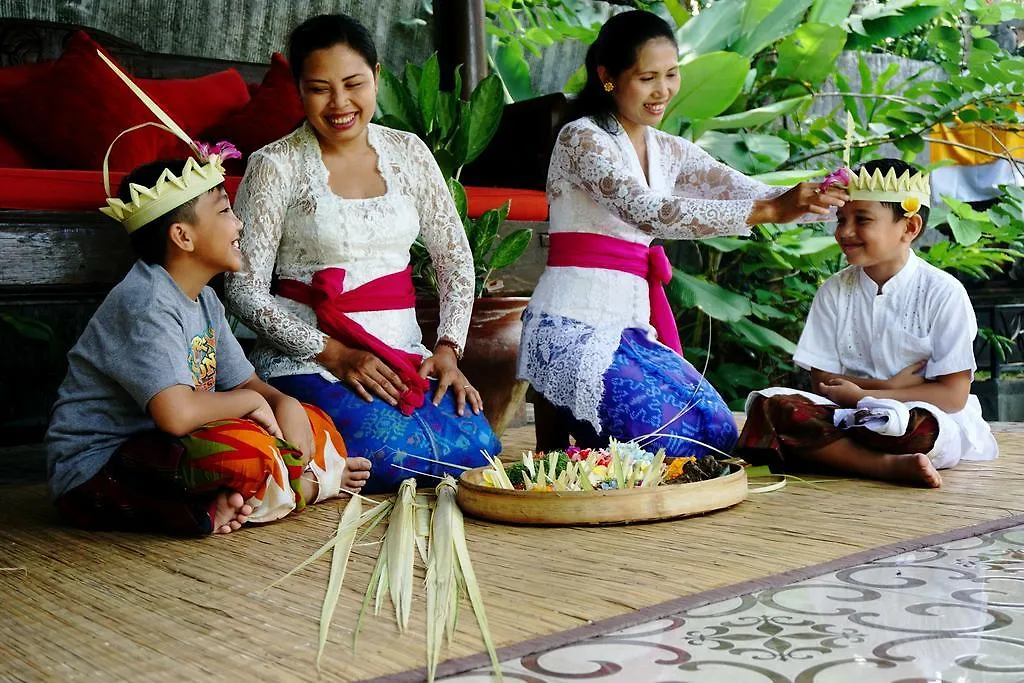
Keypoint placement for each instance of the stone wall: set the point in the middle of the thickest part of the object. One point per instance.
(232, 30)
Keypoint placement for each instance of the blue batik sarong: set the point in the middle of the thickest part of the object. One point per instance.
(645, 387)
(381, 433)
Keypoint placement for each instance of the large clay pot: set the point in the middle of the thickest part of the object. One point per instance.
(491, 348)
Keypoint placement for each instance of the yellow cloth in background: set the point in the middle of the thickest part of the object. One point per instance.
(975, 136)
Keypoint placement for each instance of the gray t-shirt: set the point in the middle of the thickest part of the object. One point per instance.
(146, 336)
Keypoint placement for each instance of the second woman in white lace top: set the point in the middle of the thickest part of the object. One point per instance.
(346, 198)
(615, 183)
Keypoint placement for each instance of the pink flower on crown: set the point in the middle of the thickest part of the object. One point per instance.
(840, 176)
(223, 149)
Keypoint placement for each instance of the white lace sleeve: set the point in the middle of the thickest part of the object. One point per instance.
(261, 203)
(445, 239)
(702, 175)
(584, 158)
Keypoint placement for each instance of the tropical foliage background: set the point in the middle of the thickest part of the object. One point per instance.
(765, 87)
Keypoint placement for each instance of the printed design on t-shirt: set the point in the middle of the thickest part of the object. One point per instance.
(203, 360)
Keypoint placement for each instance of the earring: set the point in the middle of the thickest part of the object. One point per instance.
(609, 86)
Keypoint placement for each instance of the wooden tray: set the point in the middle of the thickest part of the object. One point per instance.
(567, 508)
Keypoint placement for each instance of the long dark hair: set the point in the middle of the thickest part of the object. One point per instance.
(327, 30)
(616, 48)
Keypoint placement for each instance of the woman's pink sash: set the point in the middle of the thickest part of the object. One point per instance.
(326, 295)
(590, 250)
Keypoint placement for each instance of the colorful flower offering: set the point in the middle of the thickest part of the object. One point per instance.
(623, 465)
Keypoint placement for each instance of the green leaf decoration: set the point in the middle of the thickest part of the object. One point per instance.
(707, 86)
(458, 193)
(429, 89)
(965, 231)
(829, 11)
(718, 302)
(762, 29)
(511, 248)
(762, 337)
(746, 153)
(484, 114)
(678, 12)
(715, 28)
(757, 116)
(875, 31)
(514, 70)
(809, 53)
(395, 103)
(576, 82)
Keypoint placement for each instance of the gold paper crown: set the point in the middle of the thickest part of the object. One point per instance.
(170, 191)
(889, 187)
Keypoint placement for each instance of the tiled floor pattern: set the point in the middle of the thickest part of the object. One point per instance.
(949, 613)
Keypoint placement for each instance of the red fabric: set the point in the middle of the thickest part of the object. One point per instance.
(527, 205)
(72, 112)
(327, 296)
(11, 155)
(589, 250)
(14, 77)
(198, 103)
(47, 190)
(273, 112)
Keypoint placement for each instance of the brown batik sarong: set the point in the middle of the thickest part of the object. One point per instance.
(790, 425)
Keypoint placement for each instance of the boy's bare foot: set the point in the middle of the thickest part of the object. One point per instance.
(357, 471)
(230, 513)
(914, 468)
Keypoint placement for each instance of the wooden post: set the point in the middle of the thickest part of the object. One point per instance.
(459, 39)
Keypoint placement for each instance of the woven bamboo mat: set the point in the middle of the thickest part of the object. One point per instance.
(124, 606)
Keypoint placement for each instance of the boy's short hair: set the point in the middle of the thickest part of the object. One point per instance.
(150, 241)
(899, 167)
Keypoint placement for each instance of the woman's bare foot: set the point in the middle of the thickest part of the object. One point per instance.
(357, 471)
(913, 468)
(230, 512)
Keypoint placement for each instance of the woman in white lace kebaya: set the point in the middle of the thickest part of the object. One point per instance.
(331, 211)
(615, 183)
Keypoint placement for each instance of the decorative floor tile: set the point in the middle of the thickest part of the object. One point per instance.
(949, 613)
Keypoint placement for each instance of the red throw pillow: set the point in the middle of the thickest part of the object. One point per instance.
(274, 111)
(71, 113)
(11, 155)
(14, 77)
(195, 104)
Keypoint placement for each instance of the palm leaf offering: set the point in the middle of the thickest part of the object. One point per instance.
(400, 546)
(344, 539)
(623, 465)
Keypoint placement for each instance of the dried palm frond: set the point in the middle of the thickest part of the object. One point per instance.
(374, 515)
(343, 547)
(442, 587)
(448, 570)
(400, 546)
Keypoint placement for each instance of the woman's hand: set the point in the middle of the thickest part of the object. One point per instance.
(295, 427)
(444, 365)
(798, 201)
(364, 372)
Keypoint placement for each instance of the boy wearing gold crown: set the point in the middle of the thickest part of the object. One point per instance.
(161, 422)
(889, 345)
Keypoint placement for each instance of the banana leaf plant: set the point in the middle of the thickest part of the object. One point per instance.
(456, 131)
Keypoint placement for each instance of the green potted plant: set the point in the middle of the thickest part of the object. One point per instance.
(457, 131)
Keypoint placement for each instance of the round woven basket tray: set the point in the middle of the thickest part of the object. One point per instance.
(567, 508)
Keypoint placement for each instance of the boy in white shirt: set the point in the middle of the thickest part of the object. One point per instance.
(889, 345)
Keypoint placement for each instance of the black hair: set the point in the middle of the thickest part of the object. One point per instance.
(616, 49)
(327, 30)
(899, 167)
(150, 241)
